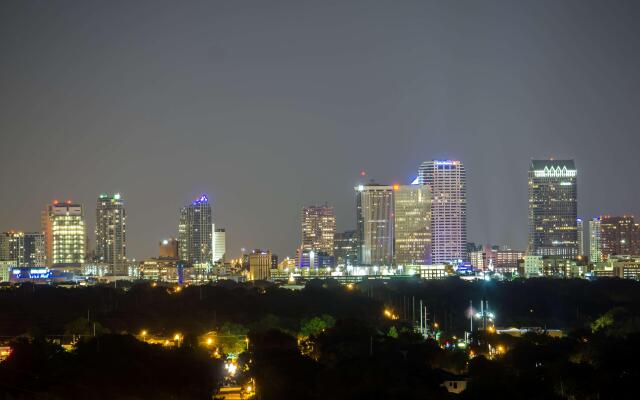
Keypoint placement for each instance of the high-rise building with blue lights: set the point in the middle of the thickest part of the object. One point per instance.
(195, 232)
(447, 181)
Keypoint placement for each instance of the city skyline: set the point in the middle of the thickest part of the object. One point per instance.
(203, 198)
(234, 106)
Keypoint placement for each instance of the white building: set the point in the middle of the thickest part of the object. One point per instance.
(447, 181)
(219, 244)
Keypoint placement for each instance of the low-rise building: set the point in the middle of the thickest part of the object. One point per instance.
(155, 269)
(624, 267)
(436, 271)
(260, 262)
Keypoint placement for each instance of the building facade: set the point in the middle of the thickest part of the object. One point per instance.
(195, 232)
(375, 224)
(619, 236)
(595, 247)
(447, 181)
(111, 236)
(168, 249)
(65, 235)
(412, 219)
(260, 264)
(345, 248)
(580, 229)
(219, 244)
(318, 225)
(27, 249)
(553, 208)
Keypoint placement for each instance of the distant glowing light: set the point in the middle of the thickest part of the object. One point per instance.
(446, 162)
(203, 199)
(396, 187)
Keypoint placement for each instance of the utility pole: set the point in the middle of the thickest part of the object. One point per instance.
(471, 315)
(420, 316)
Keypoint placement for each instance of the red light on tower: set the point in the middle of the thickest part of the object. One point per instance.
(55, 202)
(68, 202)
(362, 173)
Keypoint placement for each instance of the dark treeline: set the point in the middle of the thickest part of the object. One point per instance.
(564, 304)
(551, 303)
(195, 309)
(107, 367)
(325, 341)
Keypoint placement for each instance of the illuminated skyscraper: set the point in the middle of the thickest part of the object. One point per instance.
(219, 244)
(195, 232)
(619, 236)
(580, 229)
(412, 216)
(553, 208)
(318, 229)
(447, 182)
(595, 247)
(111, 237)
(374, 206)
(65, 235)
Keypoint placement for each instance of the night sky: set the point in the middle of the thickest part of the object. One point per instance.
(272, 105)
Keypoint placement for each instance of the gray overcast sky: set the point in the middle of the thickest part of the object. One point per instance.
(271, 105)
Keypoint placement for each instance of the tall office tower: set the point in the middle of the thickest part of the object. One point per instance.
(65, 234)
(595, 246)
(260, 264)
(553, 208)
(318, 229)
(580, 230)
(345, 248)
(412, 216)
(169, 249)
(111, 238)
(447, 181)
(219, 244)
(374, 210)
(195, 233)
(619, 236)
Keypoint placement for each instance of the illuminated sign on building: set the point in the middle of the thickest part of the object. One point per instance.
(555, 172)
